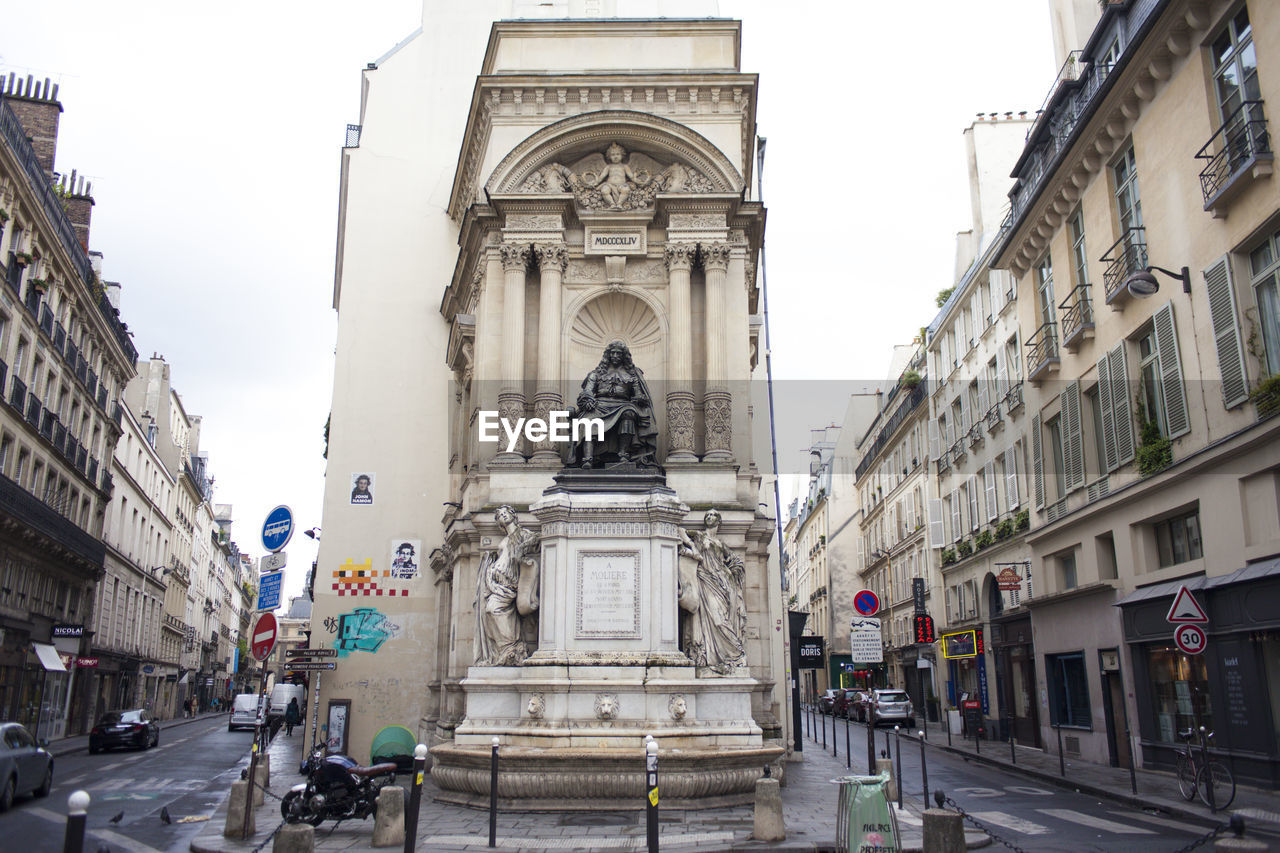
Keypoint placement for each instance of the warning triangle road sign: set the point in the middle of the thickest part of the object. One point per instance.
(1185, 608)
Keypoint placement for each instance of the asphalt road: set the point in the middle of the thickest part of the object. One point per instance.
(189, 773)
(1024, 812)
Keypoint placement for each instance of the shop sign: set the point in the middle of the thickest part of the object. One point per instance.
(962, 644)
(811, 649)
(68, 659)
(917, 594)
(87, 663)
(982, 683)
(68, 630)
(1009, 579)
(148, 668)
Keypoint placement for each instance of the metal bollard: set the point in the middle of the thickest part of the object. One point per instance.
(822, 718)
(977, 740)
(897, 745)
(1013, 756)
(415, 797)
(946, 722)
(924, 770)
(835, 739)
(871, 747)
(77, 808)
(888, 749)
(493, 795)
(651, 800)
(1062, 762)
(848, 753)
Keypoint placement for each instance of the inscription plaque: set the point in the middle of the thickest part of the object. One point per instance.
(616, 241)
(608, 595)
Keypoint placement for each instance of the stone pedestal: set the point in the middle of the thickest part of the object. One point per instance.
(608, 670)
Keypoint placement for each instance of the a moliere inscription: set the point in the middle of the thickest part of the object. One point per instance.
(608, 585)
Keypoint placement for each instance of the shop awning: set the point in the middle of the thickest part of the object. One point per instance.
(1252, 572)
(1161, 590)
(48, 657)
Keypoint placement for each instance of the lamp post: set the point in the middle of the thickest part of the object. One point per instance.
(1142, 283)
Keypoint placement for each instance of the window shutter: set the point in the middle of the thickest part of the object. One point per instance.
(1107, 411)
(975, 311)
(937, 536)
(1011, 477)
(1121, 416)
(956, 532)
(965, 418)
(1226, 334)
(992, 509)
(974, 513)
(1073, 438)
(1037, 461)
(1002, 374)
(1171, 386)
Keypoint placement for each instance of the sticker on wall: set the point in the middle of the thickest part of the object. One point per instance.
(362, 488)
(363, 630)
(363, 579)
(404, 558)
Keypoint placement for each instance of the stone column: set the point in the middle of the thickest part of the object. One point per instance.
(552, 260)
(716, 402)
(515, 261)
(680, 447)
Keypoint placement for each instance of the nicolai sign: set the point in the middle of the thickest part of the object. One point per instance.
(68, 630)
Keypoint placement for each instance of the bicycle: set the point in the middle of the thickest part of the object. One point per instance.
(1210, 779)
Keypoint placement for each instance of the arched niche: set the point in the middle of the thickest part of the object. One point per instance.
(610, 316)
(657, 141)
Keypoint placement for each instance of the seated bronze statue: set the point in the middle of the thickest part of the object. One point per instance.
(616, 393)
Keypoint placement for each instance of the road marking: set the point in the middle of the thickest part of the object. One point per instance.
(45, 814)
(74, 780)
(111, 766)
(634, 843)
(1095, 822)
(1008, 821)
(111, 785)
(1028, 790)
(1162, 821)
(124, 841)
(906, 817)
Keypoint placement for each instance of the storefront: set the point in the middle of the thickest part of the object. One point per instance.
(1015, 665)
(917, 680)
(1232, 689)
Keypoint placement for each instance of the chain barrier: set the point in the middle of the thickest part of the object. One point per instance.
(244, 775)
(1208, 836)
(268, 838)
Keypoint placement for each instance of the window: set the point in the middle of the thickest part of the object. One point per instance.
(1235, 66)
(1128, 203)
(1053, 437)
(1096, 453)
(1149, 395)
(1178, 539)
(1013, 359)
(1044, 287)
(1067, 570)
(1179, 692)
(1068, 690)
(1264, 271)
(1075, 227)
(1107, 60)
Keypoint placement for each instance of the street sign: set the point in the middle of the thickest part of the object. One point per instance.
(917, 594)
(277, 529)
(272, 562)
(866, 602)
(311, 653)
(1190, 638)
(811, 649)
(1009, 579)
(865, 643)
(309, 665)
(269, 590)
(1185, 608)
(961, 644)
(264, 636)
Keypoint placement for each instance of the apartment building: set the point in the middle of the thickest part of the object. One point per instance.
(1143, 239)
(813, 580)
(65, 355)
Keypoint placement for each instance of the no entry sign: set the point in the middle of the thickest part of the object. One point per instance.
(264, 636)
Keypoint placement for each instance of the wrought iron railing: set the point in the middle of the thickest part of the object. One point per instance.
(1042, 348)
(13, 274)
(19, 504)
(33, 409)
(1077, 314)
(975, 434)
(59, 338)
(46, 319)
(1234, 146)
(18, 394)
(993, 417)
(1068, 73)
(1125, 257)
(1013, 399)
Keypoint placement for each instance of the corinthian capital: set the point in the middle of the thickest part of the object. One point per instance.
(679, 256)
(514, 257)
(552, 256)
(715, 256)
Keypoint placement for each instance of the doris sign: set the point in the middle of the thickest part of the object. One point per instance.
(559, 428)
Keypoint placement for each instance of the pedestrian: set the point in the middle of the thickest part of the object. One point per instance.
(292, 716)
(186, 707)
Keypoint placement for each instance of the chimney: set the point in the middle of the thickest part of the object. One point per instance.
(77, 199)
(36, 106)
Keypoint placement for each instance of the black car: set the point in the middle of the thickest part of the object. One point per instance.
(25, 766)
(134, 728)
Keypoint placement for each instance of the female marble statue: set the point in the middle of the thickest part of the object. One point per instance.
(616, 393)
(506, 589)
(711, 592)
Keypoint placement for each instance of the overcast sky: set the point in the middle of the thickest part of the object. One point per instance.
(212, 137)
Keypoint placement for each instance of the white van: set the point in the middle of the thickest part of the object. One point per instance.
(247, 711)
(280, 696)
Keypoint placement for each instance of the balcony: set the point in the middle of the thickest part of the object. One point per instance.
(59, 338)
(1077, 318)
(33, 409)
(47, 423)
(975, 435)
(958, 450)
(1237, 153)
(4, 374)
(25, 508)
(46, 319)
(994, 420)
(1042, 352)
(18, 394)
(13, 274)
(1125, 257)
(1013, 399)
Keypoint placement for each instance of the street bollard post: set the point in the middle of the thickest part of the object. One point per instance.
(651, 800)
(871, 747)
(848, 753)
(897, 746)
(946, 721)
(77, 808)
(1062, 762)
(888, 748)
(977, 739)
(1013, 756)
(415, 797)
(493, 795)
(822, 718)
(924, 770)
(835, 739)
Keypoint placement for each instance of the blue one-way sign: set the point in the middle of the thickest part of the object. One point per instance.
(269, 590)
(277, 529)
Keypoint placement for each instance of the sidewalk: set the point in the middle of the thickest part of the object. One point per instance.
(1156, 789)
(80, 743)
(808, 800)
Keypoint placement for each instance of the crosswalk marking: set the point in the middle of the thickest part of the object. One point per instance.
(111, 784)
(1008, 821)
(45, 814)
(1095, 822)
(123, 841)
(1162, 821)
(907, 817)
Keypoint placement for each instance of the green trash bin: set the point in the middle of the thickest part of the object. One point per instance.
(865, 823)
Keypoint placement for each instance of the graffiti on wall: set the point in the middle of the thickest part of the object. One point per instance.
(362, 630)
(363, 579)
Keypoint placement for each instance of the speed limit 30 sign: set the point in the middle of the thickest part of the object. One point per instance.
(1190, 638)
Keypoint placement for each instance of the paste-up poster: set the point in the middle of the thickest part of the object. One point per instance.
(405, 558)
(362, 488)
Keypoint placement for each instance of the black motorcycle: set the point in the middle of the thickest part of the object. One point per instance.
(337, 788)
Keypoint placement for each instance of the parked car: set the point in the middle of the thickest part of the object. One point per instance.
(891, 706)
(25, 766)
(826, 700)
(840, 706)
(857, 707)
(134, 728)
(248, 710)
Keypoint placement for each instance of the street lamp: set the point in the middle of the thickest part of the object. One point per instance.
(313, 533)
(1143, 284)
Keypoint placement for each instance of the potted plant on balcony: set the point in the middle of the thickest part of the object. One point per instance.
(910, 379)
(1024, 519)
(964, 548)
(1005, 528)
(1155, 452)
(1267, 396)
(985, 539)
(41, 285)
(948, 556)
(21, 258)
